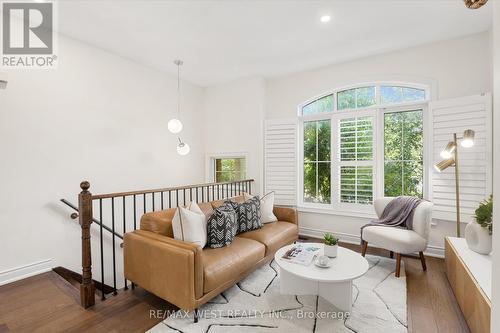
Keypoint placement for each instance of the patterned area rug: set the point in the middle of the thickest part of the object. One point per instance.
(256, 305)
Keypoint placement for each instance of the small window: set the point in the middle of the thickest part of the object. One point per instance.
(396, 94)
(356, 98)
(317, 145)
(229, 169)
(323, 104)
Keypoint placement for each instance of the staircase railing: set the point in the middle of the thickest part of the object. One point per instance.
(129, 207)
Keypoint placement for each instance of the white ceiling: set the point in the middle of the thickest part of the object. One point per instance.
(223, 40)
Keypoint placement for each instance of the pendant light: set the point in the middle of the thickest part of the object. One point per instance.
(175, 125)
(182, 148)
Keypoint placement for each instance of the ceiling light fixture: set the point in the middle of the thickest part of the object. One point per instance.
(325, 18)
(175, 125)
(182, 148)
(474, 4)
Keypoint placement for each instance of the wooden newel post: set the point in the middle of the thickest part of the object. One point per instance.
(87, 288)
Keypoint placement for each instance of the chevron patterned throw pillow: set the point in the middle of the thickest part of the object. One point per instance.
(249, 214)
(221, 226)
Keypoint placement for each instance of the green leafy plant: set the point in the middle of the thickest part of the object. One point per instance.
(484, 214)
(330, 239)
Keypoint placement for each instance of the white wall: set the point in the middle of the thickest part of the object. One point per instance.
(103, 118)
(234, 115)
(495, 311)
(453, 68)
(97, 117)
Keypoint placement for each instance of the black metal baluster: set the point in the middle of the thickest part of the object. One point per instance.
(169, 199)
(144, 203)
(103, 297)
(249, 187)
(190, 194)
(197, 199)
(135, 225)
(153, 199)
(124, 231)
(202, 194)
(184, 196)
(113, 238)
(135, 213)
(161, 193)
(213, 193)
(177, 198)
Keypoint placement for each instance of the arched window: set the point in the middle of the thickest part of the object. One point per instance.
(360, 142)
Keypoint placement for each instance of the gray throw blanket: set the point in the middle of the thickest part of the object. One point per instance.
(398, 213)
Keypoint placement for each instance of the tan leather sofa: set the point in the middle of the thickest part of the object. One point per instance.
(188, 276)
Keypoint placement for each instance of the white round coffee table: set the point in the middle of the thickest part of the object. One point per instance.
(333, 283)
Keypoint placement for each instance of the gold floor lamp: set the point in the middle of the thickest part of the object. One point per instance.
(450, 159)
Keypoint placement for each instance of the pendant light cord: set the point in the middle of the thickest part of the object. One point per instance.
(178, 90)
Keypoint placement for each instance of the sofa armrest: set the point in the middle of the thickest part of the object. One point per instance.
(169, 268)
(286, 214)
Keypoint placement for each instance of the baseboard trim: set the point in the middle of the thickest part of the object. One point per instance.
(432, 251)
(23, 272)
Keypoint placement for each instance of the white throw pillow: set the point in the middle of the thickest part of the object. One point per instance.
(190, 224)
(266, 207)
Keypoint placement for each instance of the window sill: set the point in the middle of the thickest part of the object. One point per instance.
(330, 211)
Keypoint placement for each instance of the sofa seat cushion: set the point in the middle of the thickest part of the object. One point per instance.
(273, 235)
(397, 240)
(225, 264)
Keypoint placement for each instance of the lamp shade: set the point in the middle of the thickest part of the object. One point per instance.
(468, 140)
(174, 125)
(444, 164)
(448, 150)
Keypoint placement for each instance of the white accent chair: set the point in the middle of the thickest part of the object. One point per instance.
(398, 240)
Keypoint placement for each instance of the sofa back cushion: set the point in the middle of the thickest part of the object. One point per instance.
(218, 203)
(160, 222)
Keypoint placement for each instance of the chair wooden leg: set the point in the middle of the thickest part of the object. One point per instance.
(391, 254)
(398, 264)
(363, 248)
(422, 260)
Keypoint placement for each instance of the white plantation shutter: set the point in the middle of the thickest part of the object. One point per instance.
(280, 160)
(454, 116)
(356, 160)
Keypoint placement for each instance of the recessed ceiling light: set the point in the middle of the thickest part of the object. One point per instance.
(325, 18)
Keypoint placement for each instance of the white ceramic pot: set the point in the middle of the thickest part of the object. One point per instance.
(330, 250)
(478, 238)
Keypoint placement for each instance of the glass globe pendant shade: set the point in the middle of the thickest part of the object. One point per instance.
(183, 148)
(174, 125)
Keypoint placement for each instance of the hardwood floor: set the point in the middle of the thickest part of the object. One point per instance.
(48, 303)
(431, 304)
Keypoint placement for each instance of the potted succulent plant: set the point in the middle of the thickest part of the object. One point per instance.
(478, 232)
(331, 245)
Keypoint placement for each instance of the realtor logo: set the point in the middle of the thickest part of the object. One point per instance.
(28, 34)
